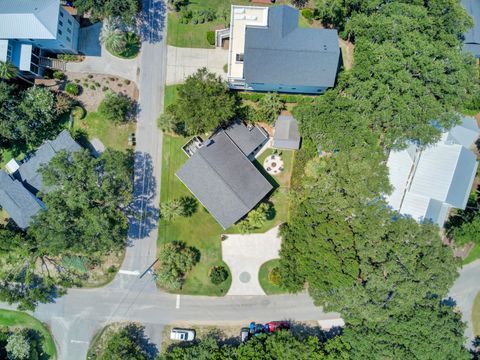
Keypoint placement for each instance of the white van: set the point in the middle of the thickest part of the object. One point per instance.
(182, 334)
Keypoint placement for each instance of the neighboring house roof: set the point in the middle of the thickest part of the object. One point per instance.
(247, 138)
(283, 53)
(29, 19)
(428, 182)
(472, 36)
(4, 50)
(29, 173)
(224, 180)
(18, 202)
(286, 134)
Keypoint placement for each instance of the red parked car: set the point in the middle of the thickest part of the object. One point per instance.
(278, 325)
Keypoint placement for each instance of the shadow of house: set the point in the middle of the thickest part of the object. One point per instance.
(89, 40)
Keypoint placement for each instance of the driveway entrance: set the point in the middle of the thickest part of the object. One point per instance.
(244, 254)
(182, 62)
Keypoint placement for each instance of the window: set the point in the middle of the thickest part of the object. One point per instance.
(61, 14)
(69, 22)
(61, 45)
(239, 57)
(59, 32)
(69, 30)
(68, 39)
(60, 22)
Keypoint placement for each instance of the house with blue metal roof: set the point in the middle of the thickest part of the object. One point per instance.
(472, 36)
(269, 52)
(428, 182)
(31, 29)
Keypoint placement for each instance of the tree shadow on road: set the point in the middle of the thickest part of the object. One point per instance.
(143, 211)
(152, 20)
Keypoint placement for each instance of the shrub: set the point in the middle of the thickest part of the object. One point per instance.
(72, 89)
(77, 80)
(274, 276)
(185, 15)
(175, 261)
(90, 76)
(105, 88)
(225, 68)
(116, 107)
(97, 84)
(211, 37)
(58, 75)
(63, 103)
(93, 87)
(307, 14)
(126, 82)
(78, 113)
(218, 274)
(270, 107)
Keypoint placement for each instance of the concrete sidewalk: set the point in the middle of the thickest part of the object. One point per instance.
(182, 62)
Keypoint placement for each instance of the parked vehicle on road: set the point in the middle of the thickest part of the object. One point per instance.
(182, 334)
(244, 334)
(277, 325)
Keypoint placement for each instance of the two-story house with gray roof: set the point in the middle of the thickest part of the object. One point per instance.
(29, 29)
(269, 52)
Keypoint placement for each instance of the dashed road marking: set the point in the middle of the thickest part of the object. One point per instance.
(128, 272)
(178, 302)
(79, 342)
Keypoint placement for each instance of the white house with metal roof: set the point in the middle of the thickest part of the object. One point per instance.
(30, 29)
(428, 182)
(269, 52)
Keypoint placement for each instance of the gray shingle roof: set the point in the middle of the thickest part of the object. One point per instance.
(224, 180)
(472, 36)
(29, 173)
(286, 134)
(17, 201)
(246, 138)
(285, 54)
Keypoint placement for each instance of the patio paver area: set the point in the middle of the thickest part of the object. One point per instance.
(244, 254)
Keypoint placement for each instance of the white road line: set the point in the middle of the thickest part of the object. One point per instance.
(79, 342)
(178, 302)
(128, 272)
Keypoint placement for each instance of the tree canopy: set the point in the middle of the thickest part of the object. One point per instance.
(100, 9)
(204, 102)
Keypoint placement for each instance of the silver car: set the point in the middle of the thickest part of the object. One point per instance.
(182, 334)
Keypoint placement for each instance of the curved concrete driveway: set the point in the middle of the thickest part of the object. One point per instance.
(464, 291)
(244, 254)
(98, 60)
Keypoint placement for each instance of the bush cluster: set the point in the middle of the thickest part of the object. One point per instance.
(211, 37)
(72, 89)
(201, 16)
(218, 274)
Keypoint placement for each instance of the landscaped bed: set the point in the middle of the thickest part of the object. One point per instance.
(17, 319)
(269, 277)
(201, 231)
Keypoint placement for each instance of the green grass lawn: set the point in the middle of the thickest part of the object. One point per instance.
(474, 254)
(201, 230)
(17, 319)
(94, 125)
(267, 286)
(476, 316)
(170, 95)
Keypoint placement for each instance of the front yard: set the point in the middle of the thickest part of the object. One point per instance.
(201, 231)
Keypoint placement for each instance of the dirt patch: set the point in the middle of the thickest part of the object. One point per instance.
(347, 53)
(93, 87)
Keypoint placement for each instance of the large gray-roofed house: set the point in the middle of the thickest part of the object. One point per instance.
(286, 134)
(283, 57)
(472, 36)
(247, 138)
(29, 174)
(224, 180)
(18, 202)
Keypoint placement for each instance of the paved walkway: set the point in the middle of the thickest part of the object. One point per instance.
(464, 291)
(244, 254)
(183, 62)
(98, 60)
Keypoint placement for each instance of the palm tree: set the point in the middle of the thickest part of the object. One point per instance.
(112, 37)
(7, 70)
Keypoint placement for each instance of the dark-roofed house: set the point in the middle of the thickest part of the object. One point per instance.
(249, 139)
(286, 135)
(223, 179)
(269, 52)
(20, 204)
(29, 174)
(472, 36)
